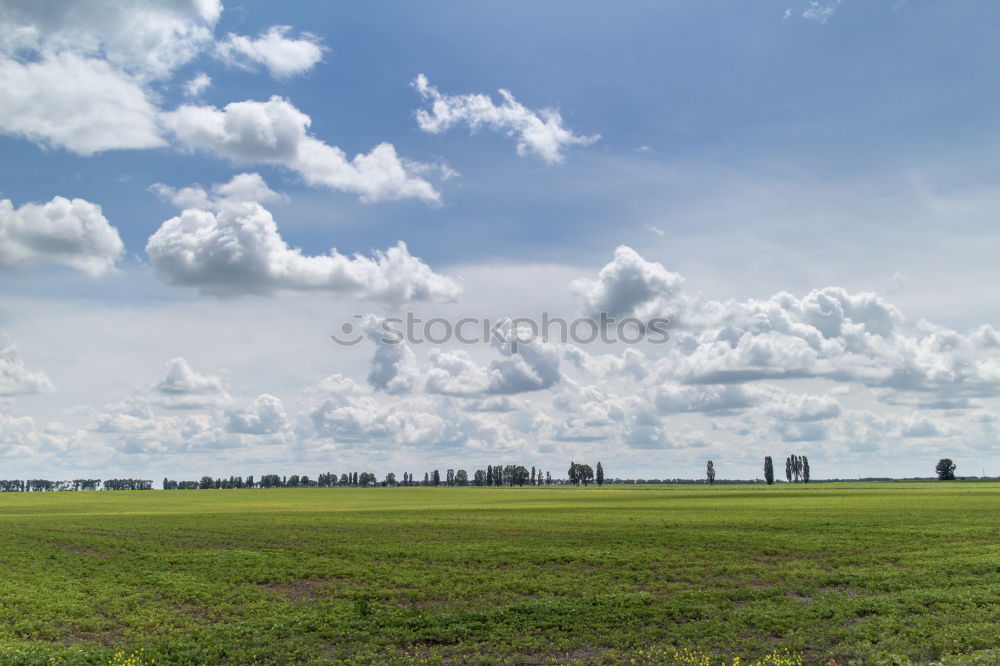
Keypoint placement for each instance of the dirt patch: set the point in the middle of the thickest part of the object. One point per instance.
(304, 590)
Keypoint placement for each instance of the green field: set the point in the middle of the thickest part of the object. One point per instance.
(856, 573)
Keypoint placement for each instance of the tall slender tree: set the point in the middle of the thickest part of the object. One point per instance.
(768, 470)
(600, 474)
(710, 473)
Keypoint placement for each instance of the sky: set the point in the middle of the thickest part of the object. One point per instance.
(195, 197)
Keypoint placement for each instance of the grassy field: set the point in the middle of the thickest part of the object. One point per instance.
(856, 573)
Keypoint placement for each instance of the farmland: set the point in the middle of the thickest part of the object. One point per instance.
(856, 573)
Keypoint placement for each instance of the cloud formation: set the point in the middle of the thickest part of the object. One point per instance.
(183, 388)
(73, 233)
(540, 133)
(15, 377)
(75, 76)
(283, 57)
(630, 286)
(264, 415)
(228, 244)
(275, 132)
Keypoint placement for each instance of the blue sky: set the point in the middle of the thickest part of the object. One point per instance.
(843, 152)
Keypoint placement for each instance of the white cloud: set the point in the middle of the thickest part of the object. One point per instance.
(283, 57)
(75, 75)
(180, 379)
(147, 38)
(538, 133)
(73, 233)
(197, 85)
(264, 415)
(81, 104)
(630, 286)
(527, 366)
(676, 398)
(802, 407)
(275, 132)
(393, 367)
(820, 11)
(227, 244)
(15, 377)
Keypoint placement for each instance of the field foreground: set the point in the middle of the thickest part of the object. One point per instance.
(855, 573)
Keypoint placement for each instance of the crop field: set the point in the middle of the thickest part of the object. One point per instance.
(854, 573)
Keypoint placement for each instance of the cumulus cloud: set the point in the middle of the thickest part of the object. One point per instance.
(677, 398)
(228, 244)
(75, 75)
(73, 233)
(79, 104)
(275, 132)
(527, 366)
(264, 415)
(283, 57)
(197, 85)
(15, 377)
(630, 286)
(212, 420)
(540, 133)
(180, 379)
(801, 407)
(183, 388)
(350, 415)
(393, 367)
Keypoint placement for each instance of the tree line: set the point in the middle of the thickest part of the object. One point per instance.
(492, 476)
(46, 486)
(796, 469)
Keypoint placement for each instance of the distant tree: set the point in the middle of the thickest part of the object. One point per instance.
(805, 469)
(710, 473)
(580, 473)
(293, 481)
(461, 478)
(548, 478)
(450, 477)
(390, 479)
(600, 474)
(768, 470)
(945, 470)
(206, 483)
(436, 478)
(788, 469)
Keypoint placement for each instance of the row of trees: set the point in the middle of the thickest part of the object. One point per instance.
(796, 469)
(507, 475)
(46, 486)
(584, 474)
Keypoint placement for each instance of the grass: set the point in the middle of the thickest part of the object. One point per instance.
(855, 573)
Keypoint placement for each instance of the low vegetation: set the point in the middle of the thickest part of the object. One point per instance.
(880, 573)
